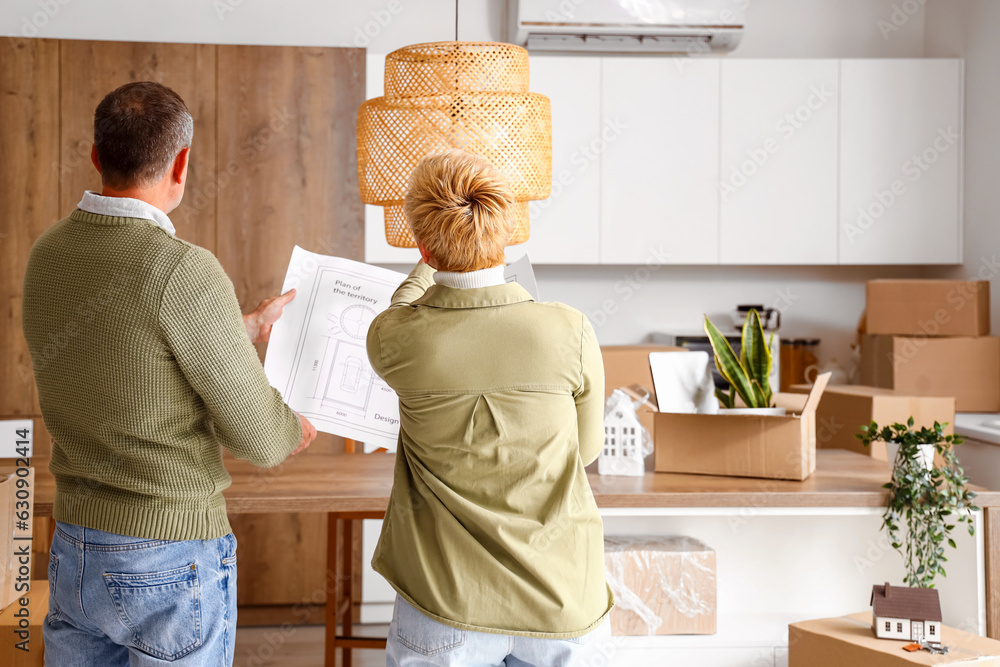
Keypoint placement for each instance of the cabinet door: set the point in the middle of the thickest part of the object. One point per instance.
(659, 153)
(900, 161)
(778, 148)
(564, 227)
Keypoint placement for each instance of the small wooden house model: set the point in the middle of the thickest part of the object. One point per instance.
(909, 614)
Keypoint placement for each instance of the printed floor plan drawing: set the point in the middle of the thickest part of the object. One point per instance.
(317, 357)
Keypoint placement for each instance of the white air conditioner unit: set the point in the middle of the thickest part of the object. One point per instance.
(682, 27)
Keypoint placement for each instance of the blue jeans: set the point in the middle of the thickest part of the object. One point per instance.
(416, 640)
(116, 601)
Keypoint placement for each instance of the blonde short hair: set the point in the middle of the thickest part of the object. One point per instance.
(461, 209)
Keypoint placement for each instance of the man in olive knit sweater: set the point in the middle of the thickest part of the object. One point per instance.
(145, 370)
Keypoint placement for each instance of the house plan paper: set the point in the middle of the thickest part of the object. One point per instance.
(317, 357)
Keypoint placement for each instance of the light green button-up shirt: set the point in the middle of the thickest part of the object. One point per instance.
(492, 525)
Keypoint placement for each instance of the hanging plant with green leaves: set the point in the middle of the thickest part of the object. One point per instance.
(749, 374)
(931, 501)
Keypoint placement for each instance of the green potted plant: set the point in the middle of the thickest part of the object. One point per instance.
(926, 502)
(749, 373)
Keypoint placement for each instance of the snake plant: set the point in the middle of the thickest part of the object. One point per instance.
(748, 375)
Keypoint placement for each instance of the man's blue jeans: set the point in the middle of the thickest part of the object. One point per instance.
(116, 601)
(416, 640)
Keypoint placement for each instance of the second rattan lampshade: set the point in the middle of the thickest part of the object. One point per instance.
(443, 95)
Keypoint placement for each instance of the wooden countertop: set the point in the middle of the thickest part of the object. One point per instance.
(361, 483)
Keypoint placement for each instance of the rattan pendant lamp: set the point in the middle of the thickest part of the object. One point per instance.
(443, 95)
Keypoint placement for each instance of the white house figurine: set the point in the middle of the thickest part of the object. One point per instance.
(910, 614)
(625, 447)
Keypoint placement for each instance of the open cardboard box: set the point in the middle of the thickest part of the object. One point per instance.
(626, 367)
(844, 409)
(765, 446)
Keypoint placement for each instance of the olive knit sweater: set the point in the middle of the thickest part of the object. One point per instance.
(144, 372)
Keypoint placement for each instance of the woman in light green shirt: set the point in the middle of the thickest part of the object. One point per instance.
(492, 538)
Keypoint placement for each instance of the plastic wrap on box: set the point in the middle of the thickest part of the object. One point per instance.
(662, 585)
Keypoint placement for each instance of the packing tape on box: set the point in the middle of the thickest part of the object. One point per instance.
(644, 570)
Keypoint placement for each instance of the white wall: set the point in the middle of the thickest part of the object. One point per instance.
(380, 24)
(831, 29)
(970, 29)
(626, 305)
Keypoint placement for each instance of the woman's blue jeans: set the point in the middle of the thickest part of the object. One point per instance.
(416, 640)
(117, 601)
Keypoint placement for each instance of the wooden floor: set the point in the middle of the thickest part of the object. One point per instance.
(297, 646)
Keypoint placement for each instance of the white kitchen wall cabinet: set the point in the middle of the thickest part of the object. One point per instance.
(778, 162)
(659, 155)
(564, 227)
(742, 161)
(901, 161)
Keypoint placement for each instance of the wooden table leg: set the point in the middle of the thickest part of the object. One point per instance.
(991, 539)
(345, 582)
(332, 589)
(342, 584)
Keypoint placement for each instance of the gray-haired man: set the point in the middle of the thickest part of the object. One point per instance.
(145, 370)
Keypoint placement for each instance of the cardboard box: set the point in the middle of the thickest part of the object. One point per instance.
(626, 366)
(662, 585)
(843, 409)
(928, 307)
(848, 641)
(963, 367)
(37, 608)
(742, 445)
(15, 532)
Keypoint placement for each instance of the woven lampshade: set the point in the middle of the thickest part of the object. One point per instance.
(439, 96)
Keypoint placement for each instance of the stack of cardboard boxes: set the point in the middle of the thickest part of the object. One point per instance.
(932, 338)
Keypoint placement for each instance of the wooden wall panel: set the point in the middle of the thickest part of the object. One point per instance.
(29, 196)
(91, 70)
(289, 116)
(287, 143)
